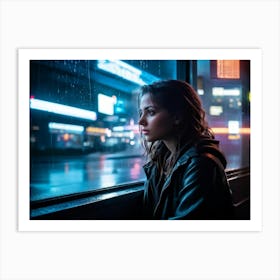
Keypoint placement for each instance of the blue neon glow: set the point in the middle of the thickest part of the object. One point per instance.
(62, 109)
(105, 104)
(126, 71)
(66, 127)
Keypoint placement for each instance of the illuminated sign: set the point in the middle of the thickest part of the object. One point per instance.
(228, 69)
(121, 69)
(118, 128)
(97, 130)
(216, 110)
(62, 127)
(233, 127)
(126, 71)
(220, 91)
(225, 130)
(56, 108)
(106, 104)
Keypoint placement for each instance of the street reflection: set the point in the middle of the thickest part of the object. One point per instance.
(61, 175)
(67, 175)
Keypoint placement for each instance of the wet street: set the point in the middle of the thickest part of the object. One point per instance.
(61, 175)
(53, 176)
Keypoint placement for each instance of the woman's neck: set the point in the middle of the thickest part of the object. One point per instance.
(171, 145)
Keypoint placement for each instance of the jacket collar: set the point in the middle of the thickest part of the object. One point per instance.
(186, 153)
(151, 171)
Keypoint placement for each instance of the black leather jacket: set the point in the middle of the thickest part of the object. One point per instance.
(197, 187)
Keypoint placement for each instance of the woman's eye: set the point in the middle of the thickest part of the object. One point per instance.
(151, 112)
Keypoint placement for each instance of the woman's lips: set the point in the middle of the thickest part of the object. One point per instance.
(145, 131)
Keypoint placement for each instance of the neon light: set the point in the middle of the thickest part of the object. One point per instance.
(122, 70)
(233, 127)
(66, 127)
(232, 92)
(228, 69)
(245, 130)
(56, 108)
(220, 91)
(118, 128)
(66, 137)
(225, 130)
(131, 135)
(216, 110)
(234, 137)
(126, 71)
(106, 104)
(97, 130)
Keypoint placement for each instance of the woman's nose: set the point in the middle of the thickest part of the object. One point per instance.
(141, 120)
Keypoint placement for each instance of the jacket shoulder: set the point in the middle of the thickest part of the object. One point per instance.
(195, 156)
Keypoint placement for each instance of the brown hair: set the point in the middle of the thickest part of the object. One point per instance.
(182, 101)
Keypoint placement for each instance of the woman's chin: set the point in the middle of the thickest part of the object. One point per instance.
(149, 139)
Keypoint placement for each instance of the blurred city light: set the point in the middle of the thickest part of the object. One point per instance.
(220, 91)
(233, 127)
(225, 130)
(126, 71)
(97, 130)
(106, 104)
(216, 110)
(62, 109)
(228, 69)
(66, 127)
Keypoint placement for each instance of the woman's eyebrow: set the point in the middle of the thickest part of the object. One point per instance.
(150, 107)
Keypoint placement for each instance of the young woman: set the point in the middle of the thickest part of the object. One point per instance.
(185, 168)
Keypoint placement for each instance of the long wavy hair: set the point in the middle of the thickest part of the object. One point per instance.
(182, 101)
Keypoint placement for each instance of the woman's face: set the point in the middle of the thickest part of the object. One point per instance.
(155, 122)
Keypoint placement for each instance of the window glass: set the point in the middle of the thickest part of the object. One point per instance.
(224, 88)
(83, 118)
(83, 123)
